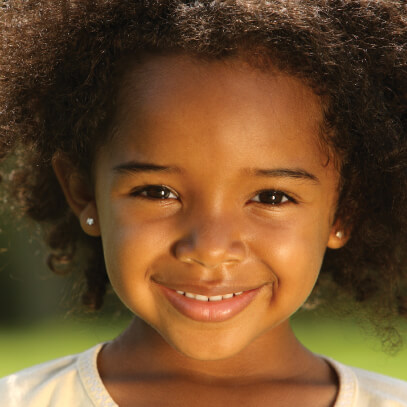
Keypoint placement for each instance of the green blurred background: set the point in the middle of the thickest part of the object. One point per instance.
(36, 325)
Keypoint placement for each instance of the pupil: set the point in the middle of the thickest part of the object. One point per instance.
(271, 196)
(158, 192)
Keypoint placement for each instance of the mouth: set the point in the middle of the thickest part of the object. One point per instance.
(209, 308)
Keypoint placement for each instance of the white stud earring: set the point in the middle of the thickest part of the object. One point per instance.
(90, 221)
(339, 234)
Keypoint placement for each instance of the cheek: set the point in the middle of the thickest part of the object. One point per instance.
(298, 242)
(294, 251)
(131, 248)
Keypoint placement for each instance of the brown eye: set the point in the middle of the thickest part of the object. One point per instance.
(158, 192)
(271, 197)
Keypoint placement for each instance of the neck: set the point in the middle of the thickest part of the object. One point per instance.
(275, 355)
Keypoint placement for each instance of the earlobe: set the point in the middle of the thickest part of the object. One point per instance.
(89, 220)
(338, 237)
(77, 193)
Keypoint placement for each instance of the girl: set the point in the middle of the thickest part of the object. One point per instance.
(209, 160)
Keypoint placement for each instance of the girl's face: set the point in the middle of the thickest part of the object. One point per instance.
(215, 183)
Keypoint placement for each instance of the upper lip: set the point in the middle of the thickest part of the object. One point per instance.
(207, 289)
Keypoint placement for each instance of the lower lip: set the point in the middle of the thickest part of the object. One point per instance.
(209, 311)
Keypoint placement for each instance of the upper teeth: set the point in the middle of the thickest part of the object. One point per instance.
(205, 298)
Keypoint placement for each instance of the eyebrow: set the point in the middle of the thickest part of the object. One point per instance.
(297, 173)
(134, 167)
(138, 167)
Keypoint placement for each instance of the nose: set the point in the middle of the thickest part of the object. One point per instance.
(211, 243)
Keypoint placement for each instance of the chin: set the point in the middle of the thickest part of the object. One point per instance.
(209, 348)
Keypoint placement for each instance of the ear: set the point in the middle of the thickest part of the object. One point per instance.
(338, 236)
(78, 193)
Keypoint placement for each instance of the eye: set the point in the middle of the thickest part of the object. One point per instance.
(154, 192)
(271, 197)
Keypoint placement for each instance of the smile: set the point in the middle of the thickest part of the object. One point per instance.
(202, 308)
(213, 298)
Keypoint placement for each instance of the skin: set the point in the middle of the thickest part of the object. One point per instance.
(214, 121)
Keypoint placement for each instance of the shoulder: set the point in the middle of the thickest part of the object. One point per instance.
(60, 382)
(377, 386)
(362, 388)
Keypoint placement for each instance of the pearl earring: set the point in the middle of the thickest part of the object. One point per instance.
(339, 234)
(90, 221)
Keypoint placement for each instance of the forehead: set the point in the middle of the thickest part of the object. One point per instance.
(172, 104)
(149, 87)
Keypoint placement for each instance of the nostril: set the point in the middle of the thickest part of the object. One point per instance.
(207, 265)
(209, 251)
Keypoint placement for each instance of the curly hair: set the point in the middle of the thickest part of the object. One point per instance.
(60, 68)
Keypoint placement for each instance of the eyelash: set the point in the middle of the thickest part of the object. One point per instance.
(270, 192)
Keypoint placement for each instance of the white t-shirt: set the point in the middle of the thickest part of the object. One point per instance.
(74, 381)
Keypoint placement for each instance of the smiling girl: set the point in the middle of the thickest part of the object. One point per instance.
(209, 160)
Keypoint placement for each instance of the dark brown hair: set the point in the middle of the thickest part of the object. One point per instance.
(60, 67)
